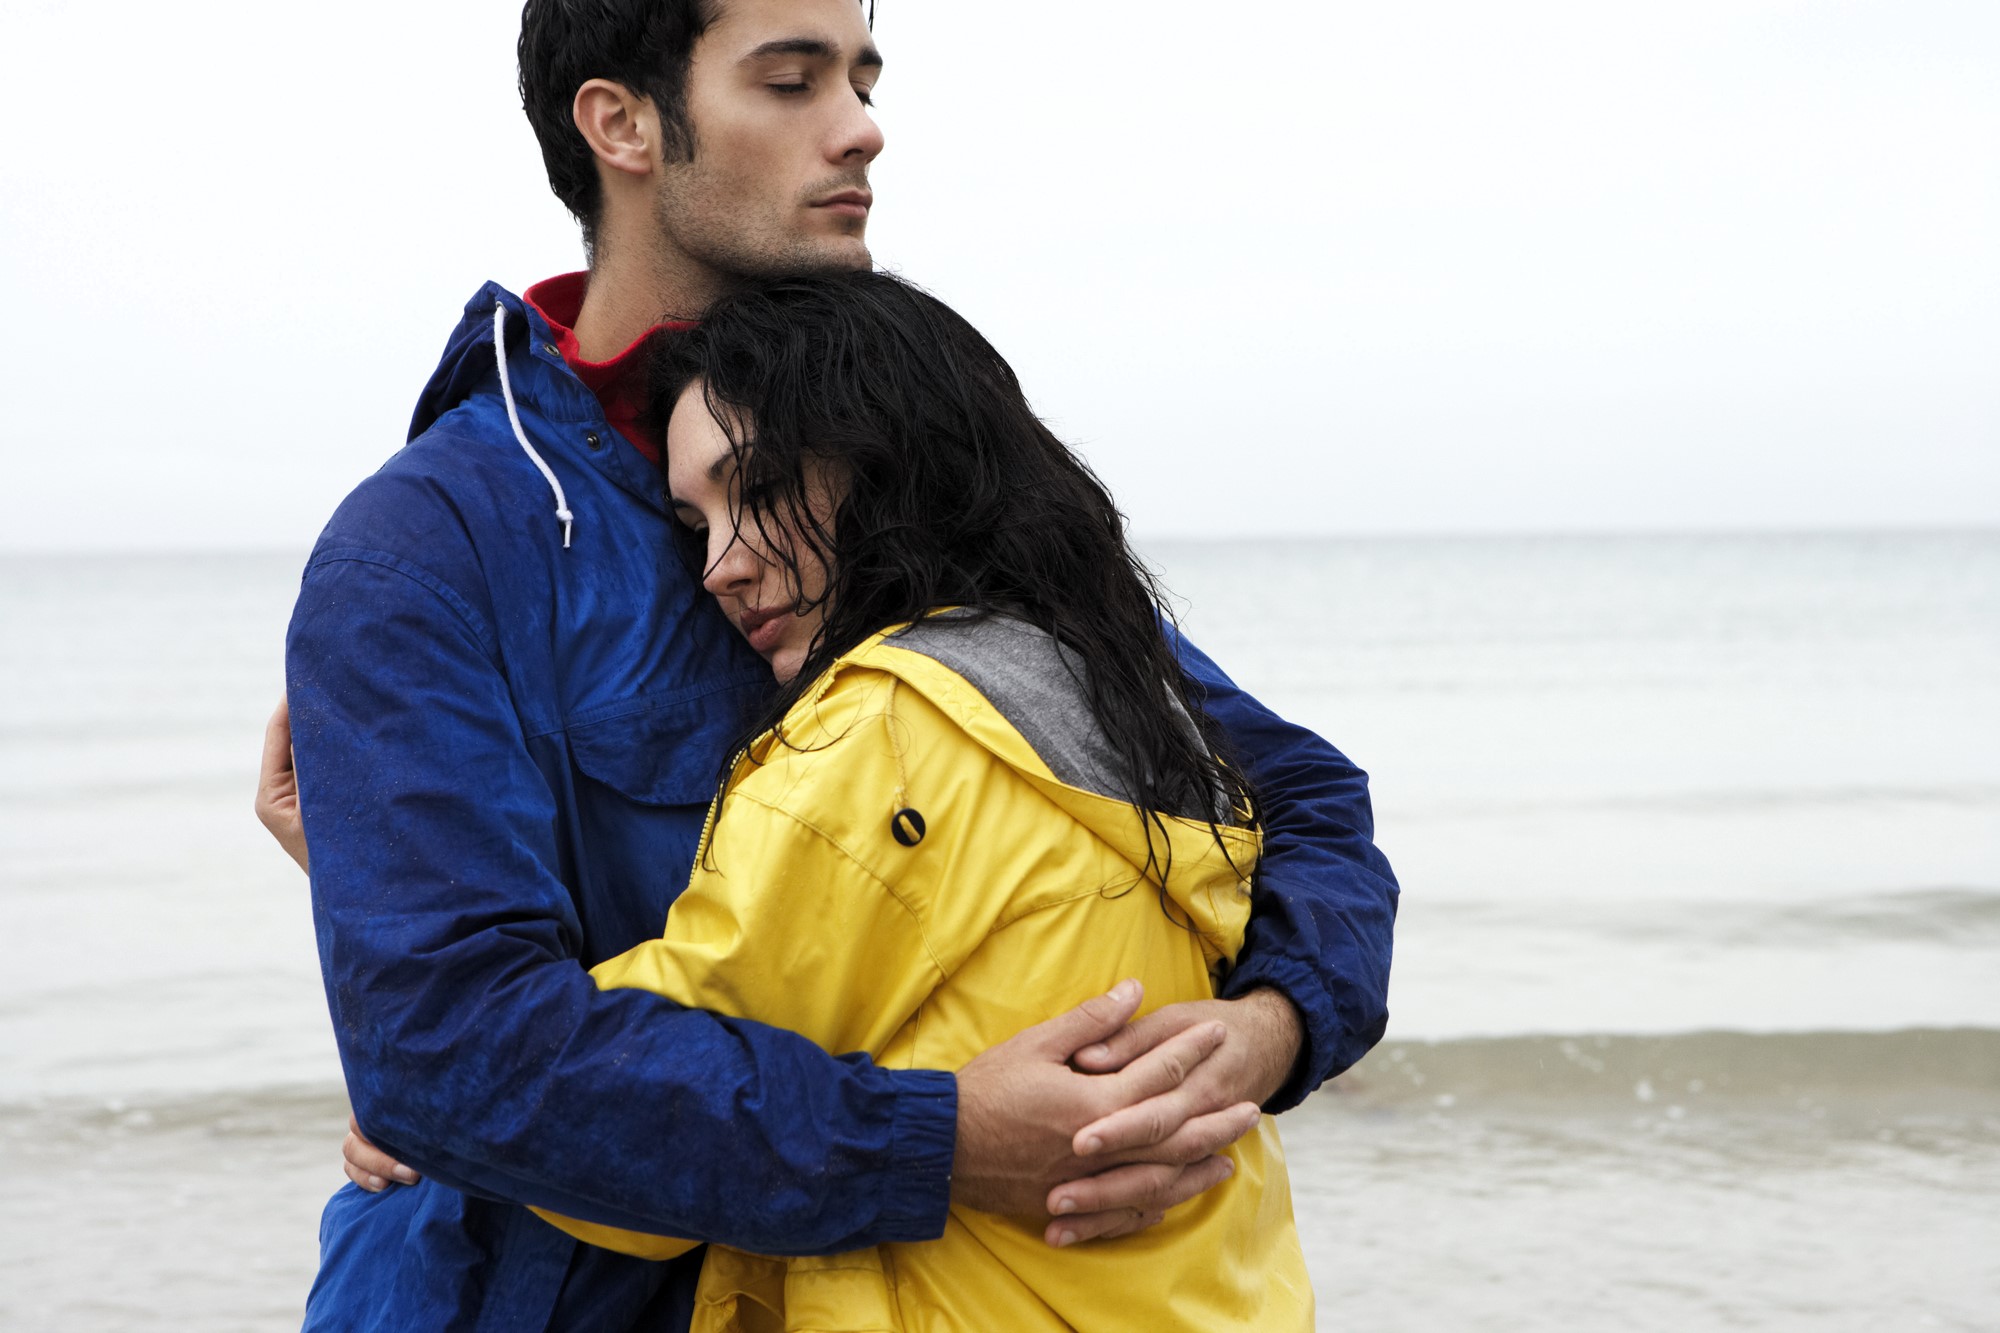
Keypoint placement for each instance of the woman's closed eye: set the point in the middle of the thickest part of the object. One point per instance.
(690, 542)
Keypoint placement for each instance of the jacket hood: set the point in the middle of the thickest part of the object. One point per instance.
(1019, 694)
(504, 349)
(468, 363)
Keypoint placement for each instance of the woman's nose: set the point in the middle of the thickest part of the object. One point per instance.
(730, 569)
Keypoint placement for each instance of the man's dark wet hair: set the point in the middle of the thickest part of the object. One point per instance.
(952, 494)
(647, 45)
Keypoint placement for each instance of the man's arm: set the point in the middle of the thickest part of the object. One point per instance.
(1309, 994)
(477, 1048)
(1323, 920)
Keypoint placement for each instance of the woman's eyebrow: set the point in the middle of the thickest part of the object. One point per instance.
(815, 47)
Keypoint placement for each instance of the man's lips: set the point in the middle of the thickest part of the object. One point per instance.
(764, 627)
(854, 203)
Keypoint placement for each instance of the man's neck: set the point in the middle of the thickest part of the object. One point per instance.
(631, 292)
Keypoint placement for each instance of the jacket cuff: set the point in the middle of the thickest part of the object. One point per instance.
(1324, 1041)
(922, 1143)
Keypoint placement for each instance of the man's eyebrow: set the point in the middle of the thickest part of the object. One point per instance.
(815, 47)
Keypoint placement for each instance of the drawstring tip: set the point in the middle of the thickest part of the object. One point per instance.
(564, 517)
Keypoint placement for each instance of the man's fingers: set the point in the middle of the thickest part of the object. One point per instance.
(1151, 1114)
(1137, 1221)
(1126, 1198)
(1099, 1226)
(1131, 1041)
(1092, 1021)
(1130, 1133)
(1126, 1190)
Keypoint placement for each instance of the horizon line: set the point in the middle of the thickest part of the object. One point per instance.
(1143, 538)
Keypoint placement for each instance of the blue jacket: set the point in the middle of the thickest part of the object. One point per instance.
(508, 726)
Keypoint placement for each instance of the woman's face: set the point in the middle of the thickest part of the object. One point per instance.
(744, 568)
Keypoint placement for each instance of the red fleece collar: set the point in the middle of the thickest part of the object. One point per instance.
(620, 383)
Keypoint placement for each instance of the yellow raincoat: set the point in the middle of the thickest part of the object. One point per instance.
(1023, 897)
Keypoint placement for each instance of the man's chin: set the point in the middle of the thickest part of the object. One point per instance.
(843, 254)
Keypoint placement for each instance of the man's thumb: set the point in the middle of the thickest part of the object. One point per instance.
(1096, 1019)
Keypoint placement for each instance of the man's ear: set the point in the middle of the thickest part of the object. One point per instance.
(620, 126)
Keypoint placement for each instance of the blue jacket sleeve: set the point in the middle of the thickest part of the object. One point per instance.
(1324, 910)
(476, 1046)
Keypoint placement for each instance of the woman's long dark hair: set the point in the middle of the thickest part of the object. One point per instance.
(951, 493)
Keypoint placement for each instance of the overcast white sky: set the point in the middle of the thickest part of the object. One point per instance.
(1286, 267)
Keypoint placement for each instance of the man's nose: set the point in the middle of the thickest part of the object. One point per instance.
(857, 138)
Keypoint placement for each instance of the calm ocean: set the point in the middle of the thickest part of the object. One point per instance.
(1696, 1015)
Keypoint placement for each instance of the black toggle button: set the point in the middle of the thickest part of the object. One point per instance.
(908, 826)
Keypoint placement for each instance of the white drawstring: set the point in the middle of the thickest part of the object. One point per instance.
(563, 515)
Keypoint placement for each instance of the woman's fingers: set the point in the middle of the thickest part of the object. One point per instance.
(277, 802)
(1128, 1198)
(368, 1166)
(372, 1183)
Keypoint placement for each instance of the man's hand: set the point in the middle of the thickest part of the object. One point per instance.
(1265, 1040)
(278, 788)
(1023, 1109)
(1239, 1073)
(368, 1166)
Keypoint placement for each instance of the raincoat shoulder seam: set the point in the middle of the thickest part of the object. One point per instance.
(923, 929)
(1021, 914)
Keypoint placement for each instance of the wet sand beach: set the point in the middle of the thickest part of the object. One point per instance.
(1829, 1183)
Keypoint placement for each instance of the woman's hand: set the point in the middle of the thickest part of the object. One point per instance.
(278, 788)
(368, 1166)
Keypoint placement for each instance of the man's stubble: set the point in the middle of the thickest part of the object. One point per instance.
(697, 226)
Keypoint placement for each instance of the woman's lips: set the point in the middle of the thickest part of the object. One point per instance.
(764, 627)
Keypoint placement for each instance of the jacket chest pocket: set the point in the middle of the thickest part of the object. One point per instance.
(664, 754)
(643, 781)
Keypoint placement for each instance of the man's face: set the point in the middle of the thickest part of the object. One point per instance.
(778, 95)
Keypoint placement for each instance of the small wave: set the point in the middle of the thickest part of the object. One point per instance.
(312, 1110)
(1918, 1062)
(1952, 916)
(1964, 916)
(1913, 1064)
